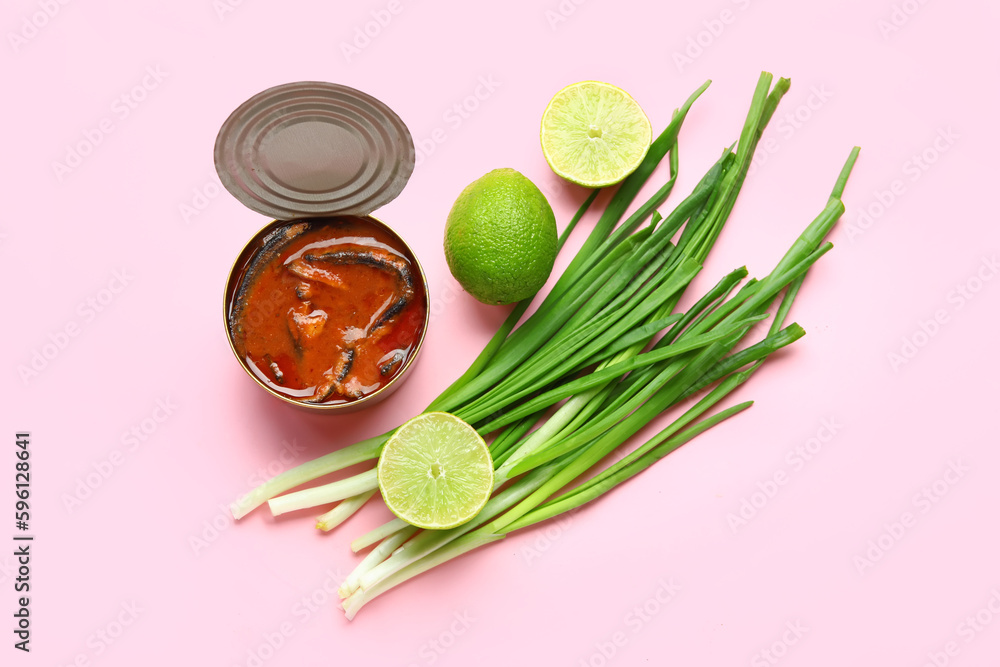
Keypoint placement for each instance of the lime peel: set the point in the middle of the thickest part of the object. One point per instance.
(500, 238)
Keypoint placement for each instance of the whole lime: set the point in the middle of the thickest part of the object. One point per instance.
(500, 238)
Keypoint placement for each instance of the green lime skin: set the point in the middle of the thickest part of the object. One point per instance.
(500, 238)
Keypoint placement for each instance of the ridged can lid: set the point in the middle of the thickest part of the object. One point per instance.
(313, 148)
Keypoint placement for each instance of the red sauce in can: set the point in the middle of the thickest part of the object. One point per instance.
(328, 310)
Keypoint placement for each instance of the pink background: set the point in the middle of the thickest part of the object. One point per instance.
(149, 560)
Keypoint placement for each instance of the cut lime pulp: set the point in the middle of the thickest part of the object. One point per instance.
(594, 134)
(435, 471)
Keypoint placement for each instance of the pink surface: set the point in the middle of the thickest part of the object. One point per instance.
(881, 547)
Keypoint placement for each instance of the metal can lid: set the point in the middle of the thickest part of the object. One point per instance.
(313, 148)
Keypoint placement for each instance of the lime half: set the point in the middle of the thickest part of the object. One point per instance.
(594, 134)
(435, 471)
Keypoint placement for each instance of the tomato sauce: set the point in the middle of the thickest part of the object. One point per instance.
(328, 310)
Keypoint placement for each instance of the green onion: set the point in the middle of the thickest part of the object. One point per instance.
(343, 511)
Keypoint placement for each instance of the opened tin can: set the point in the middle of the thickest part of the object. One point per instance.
(326, 306)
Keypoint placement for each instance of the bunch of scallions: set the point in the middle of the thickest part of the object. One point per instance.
(603, 355)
